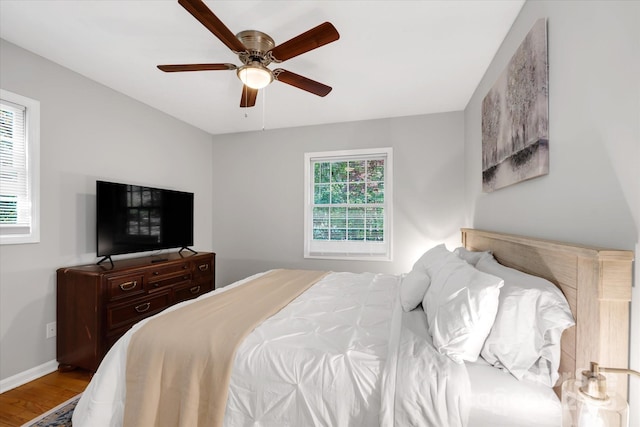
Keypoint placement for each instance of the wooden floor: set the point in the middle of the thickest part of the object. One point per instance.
(26, 402)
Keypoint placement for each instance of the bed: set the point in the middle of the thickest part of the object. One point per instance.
(345, 352)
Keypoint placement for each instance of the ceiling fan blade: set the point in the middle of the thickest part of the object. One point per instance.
(301, 82)
(249, 96)
(314, 38)
(195, 67)
(202, 13)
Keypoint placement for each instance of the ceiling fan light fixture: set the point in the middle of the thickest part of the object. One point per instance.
(255, 76)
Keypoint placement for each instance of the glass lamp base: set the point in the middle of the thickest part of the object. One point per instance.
(580, 410)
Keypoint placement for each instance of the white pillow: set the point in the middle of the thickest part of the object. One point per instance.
(472, 257)
(434, 259)
(413, 287)
(525, 338)
(416, 283)
(461, 305)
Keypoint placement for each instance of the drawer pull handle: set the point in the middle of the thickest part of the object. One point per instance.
(127, 286)
(203, 267)
(143, 307)
(195, 289)
(155, 273)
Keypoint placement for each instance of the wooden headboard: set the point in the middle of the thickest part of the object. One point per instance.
(595, 281)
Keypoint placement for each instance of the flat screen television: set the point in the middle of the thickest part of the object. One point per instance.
(135, 218)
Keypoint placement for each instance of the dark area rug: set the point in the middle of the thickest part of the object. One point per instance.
(60, 416)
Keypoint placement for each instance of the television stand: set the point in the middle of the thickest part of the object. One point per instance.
(97, 305)
(189, 249)
(108, 257)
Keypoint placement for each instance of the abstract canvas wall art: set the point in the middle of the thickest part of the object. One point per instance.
(515, 116)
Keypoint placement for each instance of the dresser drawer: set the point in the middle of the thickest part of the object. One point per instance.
(125, 286)
(123, 314)
(193, 290)
(202, 268)
(172, 269)
(173, 279)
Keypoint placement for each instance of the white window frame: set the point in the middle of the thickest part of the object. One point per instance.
(348, 250)
(12, 234)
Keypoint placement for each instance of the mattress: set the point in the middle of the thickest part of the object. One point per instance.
(499, 400)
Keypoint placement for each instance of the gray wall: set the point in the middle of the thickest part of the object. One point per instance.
(592, 192)
(258, 187)
(88, 132)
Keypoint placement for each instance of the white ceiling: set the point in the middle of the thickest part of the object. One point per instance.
(393, 58)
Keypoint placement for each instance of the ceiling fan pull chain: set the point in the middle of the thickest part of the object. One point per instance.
(264, 105)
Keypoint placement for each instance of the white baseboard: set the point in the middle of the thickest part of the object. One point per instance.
(28, 375)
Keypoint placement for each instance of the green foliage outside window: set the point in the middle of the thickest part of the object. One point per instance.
(8, 209)
(348, 200)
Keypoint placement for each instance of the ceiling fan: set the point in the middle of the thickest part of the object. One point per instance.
(256, 50)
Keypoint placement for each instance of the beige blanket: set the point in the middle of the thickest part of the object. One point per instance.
(179, 364)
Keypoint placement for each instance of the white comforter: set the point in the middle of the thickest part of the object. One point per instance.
(342, 354)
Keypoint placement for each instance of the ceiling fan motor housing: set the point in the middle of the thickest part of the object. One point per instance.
(257, 44)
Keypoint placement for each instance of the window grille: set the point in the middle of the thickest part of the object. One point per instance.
(348, 204)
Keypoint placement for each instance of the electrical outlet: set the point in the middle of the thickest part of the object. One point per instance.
(51, 329)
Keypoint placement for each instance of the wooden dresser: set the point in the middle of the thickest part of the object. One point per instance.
(97, 304)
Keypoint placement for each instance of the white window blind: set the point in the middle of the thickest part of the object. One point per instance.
(18, 169)
(348, 204)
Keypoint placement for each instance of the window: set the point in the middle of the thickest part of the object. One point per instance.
(348, 207)
(19, 168)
